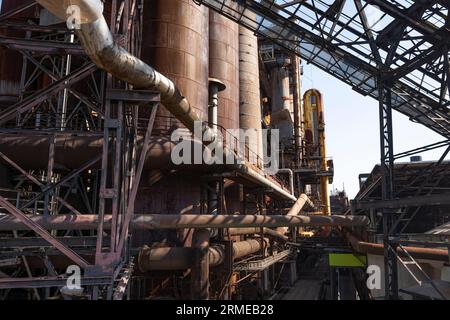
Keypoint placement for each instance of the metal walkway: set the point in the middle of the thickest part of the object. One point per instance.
(368, 44)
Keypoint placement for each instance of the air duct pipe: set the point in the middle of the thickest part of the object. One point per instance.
(315, 141)
(98, 42)
(298, 117)
(215, 86)
(178, 258)
(298, 206)
(162, 221)
(281, 117)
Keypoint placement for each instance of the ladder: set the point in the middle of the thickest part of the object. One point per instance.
(415, 270)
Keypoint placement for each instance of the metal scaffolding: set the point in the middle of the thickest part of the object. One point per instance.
(64, 95)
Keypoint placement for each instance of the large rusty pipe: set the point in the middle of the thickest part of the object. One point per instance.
(415, 252)
(178, 258)
(251, 231)
(250, 116)
(159, 222)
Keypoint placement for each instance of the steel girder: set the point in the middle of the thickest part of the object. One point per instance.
(404, 42)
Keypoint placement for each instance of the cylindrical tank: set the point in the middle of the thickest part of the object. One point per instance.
(250, 107)
(11, 61)
(224, 66)
(175, 42)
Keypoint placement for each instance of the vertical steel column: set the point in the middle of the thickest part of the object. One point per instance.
(387, 169)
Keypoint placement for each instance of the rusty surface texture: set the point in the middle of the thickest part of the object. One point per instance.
(224, 65)
(11, 61)
(249, 90)
(175, 42)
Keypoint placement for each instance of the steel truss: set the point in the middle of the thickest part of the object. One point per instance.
(79, 100)
(353, 40)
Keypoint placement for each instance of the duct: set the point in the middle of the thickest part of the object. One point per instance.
(98, 42)
(215, 86)
(179, 258)
(315, 141)
(250, 231)
(298, 118)
(296, 209)
(161, 221)
(415, 252)
(71, 152)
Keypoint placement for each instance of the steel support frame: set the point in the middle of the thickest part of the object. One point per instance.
(119, 118)
(387, 169)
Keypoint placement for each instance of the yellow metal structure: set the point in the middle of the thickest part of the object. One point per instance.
(315, 147)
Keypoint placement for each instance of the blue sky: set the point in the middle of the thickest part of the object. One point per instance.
(352, 130)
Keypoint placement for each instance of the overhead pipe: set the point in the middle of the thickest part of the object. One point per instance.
(98, 42)
(416, 252)
(160, 221)
(250, 115)
(179, 258)
(291, 177)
